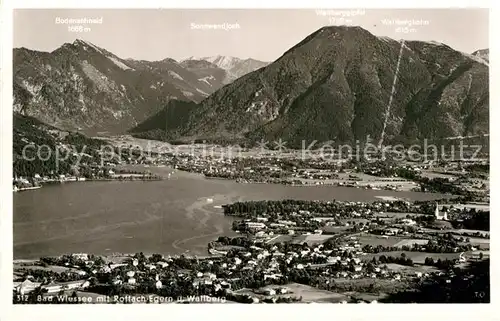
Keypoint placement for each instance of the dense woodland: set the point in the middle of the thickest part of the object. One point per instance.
(42, 149)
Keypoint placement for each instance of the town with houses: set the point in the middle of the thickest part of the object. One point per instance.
(286, 251)
(289, 250)
(435, 173)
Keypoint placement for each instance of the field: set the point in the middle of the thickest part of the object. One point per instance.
(300, 239)
(393, 215)
(479, 241)
(417, 257)
(368, 288)
(410, 242)
(280, 239)
(31, 266)
(410, 269)
(335, 229)
(311, 294)
(434, 174)
(375, 240)
(311, 239)
(455, 231)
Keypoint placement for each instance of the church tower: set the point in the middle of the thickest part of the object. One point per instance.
(439, 216)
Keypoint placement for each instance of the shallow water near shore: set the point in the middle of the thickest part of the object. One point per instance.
(177, 215)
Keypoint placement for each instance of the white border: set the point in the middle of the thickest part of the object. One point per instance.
(229, 311)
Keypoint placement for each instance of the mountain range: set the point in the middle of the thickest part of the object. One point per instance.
(234, 67)
(345, 84)
(339, 83)
(80, 86)
(484, 54)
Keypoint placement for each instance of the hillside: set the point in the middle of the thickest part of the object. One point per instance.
(483, 54)
(42, 149)
(234, 67)
(82, 86)
(336, 84)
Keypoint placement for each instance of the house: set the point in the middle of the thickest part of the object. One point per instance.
(269, 291)
(52, 288)
(158, 284)
(287, 222)
(150, 266)
(275, 225)
(210, 276)
(106, 269)
(116, 265)
(130, 274)
(284, 290)
(26, 287)
(260, 234)
(333, 259)
(162, 264)
(392, 231)
(255, 225)
(131, 281)
(408, 221)
(80, 256)
(71, 285)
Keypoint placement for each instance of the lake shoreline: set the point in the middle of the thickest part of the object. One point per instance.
(167, 217)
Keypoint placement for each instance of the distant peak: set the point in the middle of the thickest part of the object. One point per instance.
(171, 60)
(80, 42)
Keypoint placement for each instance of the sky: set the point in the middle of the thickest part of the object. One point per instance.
(263, 34)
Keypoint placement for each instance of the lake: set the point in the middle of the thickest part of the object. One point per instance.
(169, 217)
